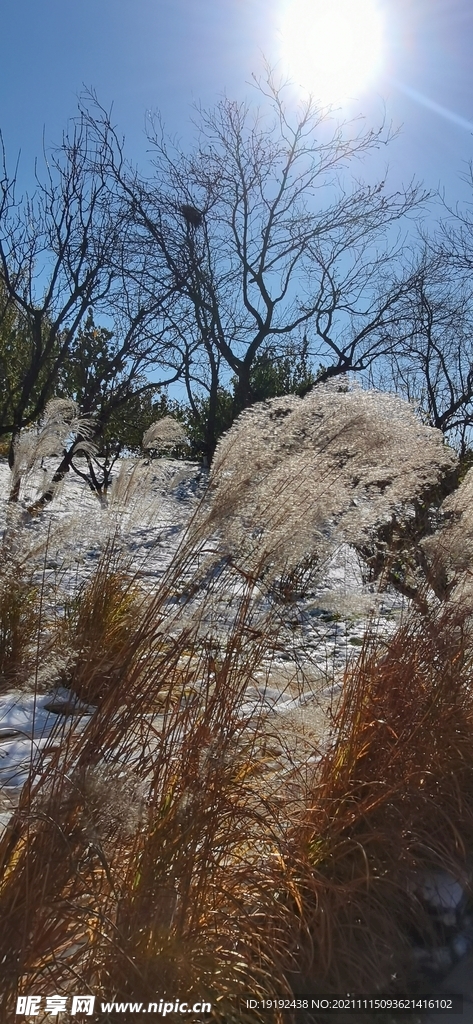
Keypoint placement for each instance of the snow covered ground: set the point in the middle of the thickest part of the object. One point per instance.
(148, 513)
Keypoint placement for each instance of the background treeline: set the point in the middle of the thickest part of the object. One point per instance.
(256, 263)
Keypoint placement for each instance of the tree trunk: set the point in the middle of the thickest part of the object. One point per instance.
(243, 396)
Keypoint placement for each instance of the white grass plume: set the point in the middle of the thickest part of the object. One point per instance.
(295, 476)
(164, 435)
(61, 422)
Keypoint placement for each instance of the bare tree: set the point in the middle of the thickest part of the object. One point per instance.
(431, 358)
(267, 233)
(63, 251)
(433, 363)
(55, 262)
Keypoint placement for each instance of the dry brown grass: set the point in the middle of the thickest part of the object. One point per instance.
(26, 635)
(145, 897)
(168, 849)
(179, 844)
(99, 625)
(392, 797)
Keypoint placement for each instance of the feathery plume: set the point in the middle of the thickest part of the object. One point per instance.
(294, 476)
(165, 434)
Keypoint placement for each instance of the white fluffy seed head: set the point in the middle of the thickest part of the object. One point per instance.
(165, 433)
(60, 424)
(294, 475)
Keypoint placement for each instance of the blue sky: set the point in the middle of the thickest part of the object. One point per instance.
(165, 54)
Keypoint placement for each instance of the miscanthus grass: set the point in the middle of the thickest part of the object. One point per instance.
(295, 477)
(184, 841)
(61, 422)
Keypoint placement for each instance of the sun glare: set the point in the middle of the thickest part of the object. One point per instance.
(332, 48)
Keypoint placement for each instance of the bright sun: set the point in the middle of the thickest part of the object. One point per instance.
(332, 48)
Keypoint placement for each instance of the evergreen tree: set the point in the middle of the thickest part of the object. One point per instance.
(16, 346)
(273, 374)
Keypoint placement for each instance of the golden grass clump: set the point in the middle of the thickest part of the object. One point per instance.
(99, 627)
